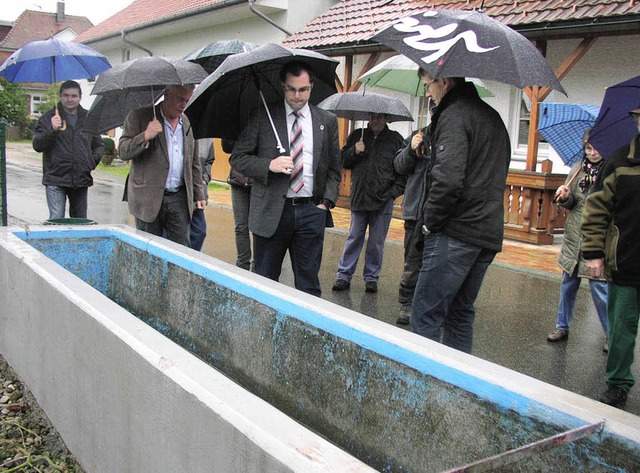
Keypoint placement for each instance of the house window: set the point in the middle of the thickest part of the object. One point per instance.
(35, 102)
(524, 120)
(126, 54)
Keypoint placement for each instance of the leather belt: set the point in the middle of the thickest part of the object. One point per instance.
(297, 200)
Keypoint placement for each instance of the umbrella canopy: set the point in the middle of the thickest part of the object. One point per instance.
(134, 84)
(400, 73)
(222, 104)
(52, 61)
(358, 106)
(148, 73)
(212, 55)
(460, 43)
(563, 126)
(614, 126)
(109, 112)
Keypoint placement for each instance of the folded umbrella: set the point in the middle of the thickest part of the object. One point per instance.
(462, 43)
(221, 106)
(400, 73)
(614, 127)
(563, 125)
(211, 55)
(359, 105)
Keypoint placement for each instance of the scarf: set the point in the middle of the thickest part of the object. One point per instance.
(590, 174)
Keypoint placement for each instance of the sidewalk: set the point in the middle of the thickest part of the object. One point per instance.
(534, 257)
(514, 254)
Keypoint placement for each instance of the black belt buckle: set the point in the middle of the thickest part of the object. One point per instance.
(299, 200)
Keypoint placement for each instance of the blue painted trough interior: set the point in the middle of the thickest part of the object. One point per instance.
(392, 408)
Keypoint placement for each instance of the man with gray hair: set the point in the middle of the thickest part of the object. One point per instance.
(165, 180)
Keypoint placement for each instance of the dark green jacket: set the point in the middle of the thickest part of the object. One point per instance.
(611, 217)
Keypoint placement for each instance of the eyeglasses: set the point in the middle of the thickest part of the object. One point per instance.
(302, 90)
(426, 86)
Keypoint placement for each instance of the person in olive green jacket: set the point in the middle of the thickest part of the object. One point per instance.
(572, 196)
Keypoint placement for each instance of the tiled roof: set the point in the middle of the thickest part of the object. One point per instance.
(35, 25)
(355, 21)
(144, 11)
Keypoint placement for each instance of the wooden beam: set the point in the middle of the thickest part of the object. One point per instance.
(371, 61)
(539, 94)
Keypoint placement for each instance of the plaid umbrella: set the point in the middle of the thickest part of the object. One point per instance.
(563, 125)
(358, 106)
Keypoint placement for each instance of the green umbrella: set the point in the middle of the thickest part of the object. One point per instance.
(400, 73)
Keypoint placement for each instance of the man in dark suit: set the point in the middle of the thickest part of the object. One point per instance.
(293, 192)
(165, 181)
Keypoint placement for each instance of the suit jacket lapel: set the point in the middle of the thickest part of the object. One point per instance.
(318, 131)
(162, 139)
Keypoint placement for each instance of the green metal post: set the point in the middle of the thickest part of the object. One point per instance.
(3, 173)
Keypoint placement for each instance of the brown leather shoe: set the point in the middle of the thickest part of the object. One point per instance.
(558, 335)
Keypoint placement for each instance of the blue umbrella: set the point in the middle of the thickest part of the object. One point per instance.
(51, 61)
(614, 126)
(563, 125)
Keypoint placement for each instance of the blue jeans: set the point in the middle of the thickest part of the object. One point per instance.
(57, 201)
(198, 230)
(450, 278)
(301, 231)
(240, 200)
(378, 222)
(568, 290)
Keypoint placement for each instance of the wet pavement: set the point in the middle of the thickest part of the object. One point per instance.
(514, 312)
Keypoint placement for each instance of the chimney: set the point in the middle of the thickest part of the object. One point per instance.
(60, 13)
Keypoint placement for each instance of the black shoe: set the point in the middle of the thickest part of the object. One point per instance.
(341, 285)
(404, 320)
(370, 286)
(558, 335)
(614, 396)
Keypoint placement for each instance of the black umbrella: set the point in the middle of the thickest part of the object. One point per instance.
(358, 106)
(109, 111)
(212, 55)
(124, 87)
(147, 73)
(221, 106)
(461, 43)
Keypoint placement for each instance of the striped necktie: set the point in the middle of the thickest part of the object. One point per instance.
(295, 148)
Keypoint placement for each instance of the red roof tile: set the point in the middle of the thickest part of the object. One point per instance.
(353, 21)
(144, 11)
(35, 25)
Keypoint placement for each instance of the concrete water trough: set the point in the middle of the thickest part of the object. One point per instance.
(147, 356)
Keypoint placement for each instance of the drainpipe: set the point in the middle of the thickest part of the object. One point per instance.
(266, 18)
(131, 43)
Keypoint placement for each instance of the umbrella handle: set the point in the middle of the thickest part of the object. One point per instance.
(273, 126)
(64, 123)
(568, 184)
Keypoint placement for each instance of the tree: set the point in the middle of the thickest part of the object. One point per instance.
(13, 103)
(49, 98)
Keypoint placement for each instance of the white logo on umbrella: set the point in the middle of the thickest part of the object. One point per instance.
(426, 32)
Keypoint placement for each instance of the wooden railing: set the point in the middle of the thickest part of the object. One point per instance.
(529, 212)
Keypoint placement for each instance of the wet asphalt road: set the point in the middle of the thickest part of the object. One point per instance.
(515, 309)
